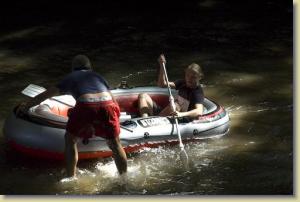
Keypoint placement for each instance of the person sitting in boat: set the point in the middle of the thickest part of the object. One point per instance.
(96, 112)
(189, 102)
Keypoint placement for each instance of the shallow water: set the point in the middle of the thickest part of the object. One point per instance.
(251, 77)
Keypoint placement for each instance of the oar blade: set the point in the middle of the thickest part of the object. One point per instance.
(33, 90)
(184, 159)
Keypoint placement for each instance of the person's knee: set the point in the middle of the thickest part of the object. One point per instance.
(143, 96)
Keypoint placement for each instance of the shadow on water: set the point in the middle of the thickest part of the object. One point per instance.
(248, 66)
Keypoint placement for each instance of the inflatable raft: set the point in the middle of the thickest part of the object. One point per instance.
(40, 133)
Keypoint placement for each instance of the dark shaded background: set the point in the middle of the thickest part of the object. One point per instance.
(100, 20)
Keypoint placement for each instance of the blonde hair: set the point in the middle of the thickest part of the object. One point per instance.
(196, 69)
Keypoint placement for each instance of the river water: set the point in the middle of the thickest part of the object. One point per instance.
(247, 56)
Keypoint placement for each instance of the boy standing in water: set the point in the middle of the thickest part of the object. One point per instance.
(96, 112)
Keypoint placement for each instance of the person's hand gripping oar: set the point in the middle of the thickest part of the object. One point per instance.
(183, 155)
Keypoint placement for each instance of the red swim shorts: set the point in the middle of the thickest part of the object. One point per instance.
(94, 118)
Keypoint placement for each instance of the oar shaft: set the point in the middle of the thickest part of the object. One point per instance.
(173, 106)
(166, 77)
(171, 98)
(179, 135)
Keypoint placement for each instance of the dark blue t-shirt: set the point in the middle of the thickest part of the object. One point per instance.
(82, 82)
(188, 97)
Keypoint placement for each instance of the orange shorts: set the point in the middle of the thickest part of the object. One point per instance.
(94, 118)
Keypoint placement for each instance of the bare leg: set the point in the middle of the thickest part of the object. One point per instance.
(145, 105)
(118, 154)
(71, 154)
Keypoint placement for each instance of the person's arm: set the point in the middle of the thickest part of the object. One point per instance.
(161, 81)
(198, 99)
(50, 92)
